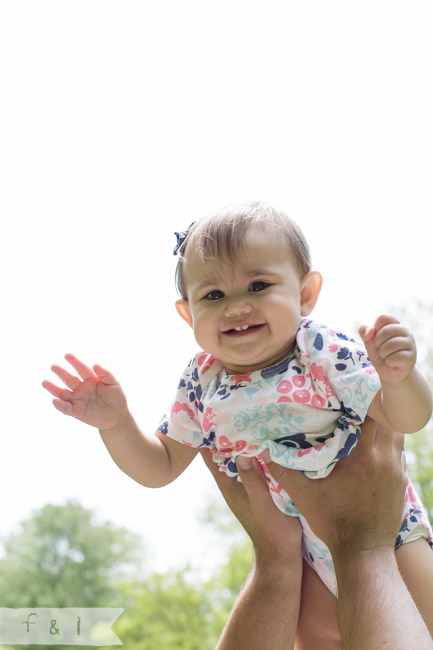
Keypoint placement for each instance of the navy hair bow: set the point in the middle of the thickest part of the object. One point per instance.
(181, 236)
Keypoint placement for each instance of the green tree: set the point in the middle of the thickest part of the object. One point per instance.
(419, 446)
(181, 610)
(168, 612)
(63, 557)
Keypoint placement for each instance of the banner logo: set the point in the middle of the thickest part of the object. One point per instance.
(59, 626)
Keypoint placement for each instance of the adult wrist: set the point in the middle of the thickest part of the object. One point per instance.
(276, 565)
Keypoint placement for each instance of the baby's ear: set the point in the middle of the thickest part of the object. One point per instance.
(310, 289)
(182, 307)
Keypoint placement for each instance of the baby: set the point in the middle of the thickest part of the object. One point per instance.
(269, 380)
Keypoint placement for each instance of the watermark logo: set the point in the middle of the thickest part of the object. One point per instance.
(59, 626)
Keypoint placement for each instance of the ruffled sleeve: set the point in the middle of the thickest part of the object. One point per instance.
(184, 420)
(346, 382)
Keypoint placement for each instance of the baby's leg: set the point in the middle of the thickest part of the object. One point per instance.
(318, 619)
(415, 563)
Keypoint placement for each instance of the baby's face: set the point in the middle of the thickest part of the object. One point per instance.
(246, 313)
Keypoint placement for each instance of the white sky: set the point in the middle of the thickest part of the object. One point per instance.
(124, 121)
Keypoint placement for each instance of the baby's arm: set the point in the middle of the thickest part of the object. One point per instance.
(97, 399)
(150, 460)
(405, 401)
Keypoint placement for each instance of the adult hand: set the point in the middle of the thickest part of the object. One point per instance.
(267, 611)
(274, 534)
(359, 505)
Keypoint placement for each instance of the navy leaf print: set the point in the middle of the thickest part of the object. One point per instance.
(318, 342)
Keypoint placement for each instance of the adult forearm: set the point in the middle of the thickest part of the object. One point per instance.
(266, 613)
(143, 457)
(375, 608)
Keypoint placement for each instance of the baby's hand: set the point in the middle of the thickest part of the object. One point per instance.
(390, 347)
(98, 400)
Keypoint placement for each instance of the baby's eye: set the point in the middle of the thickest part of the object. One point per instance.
(259, 285)
(214, 295)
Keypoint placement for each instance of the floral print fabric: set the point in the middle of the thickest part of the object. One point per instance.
(306, 410)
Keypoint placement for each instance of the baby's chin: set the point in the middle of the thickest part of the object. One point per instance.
(244, 368)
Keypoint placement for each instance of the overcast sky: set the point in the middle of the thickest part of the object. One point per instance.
(122, 122)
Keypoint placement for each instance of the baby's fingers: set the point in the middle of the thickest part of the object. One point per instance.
(396, 331)
(384, 320)
(105, 376)
(58, 392)
(63, 407)
(396, 345)
(69, 380)
(403, 359)
(83, 370)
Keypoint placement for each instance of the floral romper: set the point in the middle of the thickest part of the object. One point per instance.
(306, 410)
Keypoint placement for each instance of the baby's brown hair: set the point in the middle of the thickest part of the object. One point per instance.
(221, 234)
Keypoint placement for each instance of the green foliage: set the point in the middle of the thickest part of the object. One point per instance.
(419, 317)
(177, 611)
(420, 465)
(62, 558)
(168, 612)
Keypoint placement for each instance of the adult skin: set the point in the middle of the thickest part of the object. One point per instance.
(356, 511)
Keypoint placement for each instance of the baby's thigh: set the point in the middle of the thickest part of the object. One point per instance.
(318, 627)
(415, 563)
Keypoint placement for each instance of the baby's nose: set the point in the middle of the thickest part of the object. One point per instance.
(237, 308)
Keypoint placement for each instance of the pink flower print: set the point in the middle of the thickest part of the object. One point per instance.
(284, 386)
(252, 448)
(284, 398)
(318, 401)
(228, 447)
(274, 487)
(333, 347)
(301, 396)
(319, 374)
(412, 496)
(208, 415)
(299, 381)
(304, 452)
(240, 378)
(202, 358)
(225, 442)
(178, 407)
(206, 359)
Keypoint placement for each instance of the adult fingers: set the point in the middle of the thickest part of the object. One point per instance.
(253, 487)
(252, 477)
(292, 480)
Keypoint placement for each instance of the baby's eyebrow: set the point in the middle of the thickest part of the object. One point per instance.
(211, 282)
(266, 272)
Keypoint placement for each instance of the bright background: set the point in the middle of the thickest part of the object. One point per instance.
(124, 121)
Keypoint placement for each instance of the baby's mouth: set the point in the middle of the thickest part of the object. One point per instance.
(242, 330)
